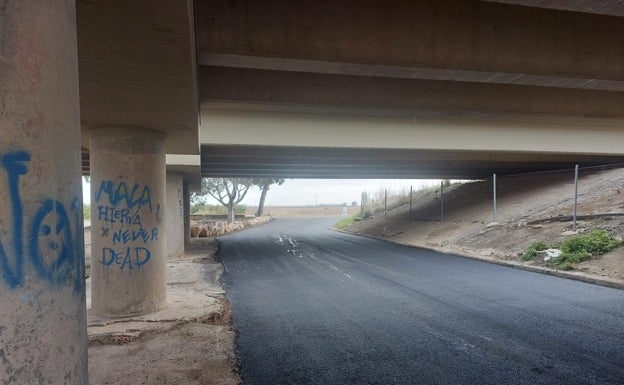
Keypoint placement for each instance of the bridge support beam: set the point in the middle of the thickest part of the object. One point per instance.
(43, 327)
(128, 239)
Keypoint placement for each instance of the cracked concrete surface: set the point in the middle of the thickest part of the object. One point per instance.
(187, 342)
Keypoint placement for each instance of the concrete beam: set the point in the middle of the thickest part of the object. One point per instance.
(473, 36)
(303, 144)
(405, 72)
(539, 134)
(189, 167)
(417, 96)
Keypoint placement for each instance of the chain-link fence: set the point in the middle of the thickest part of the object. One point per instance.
(569, 195)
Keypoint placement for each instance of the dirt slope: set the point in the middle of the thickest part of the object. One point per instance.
(529, 208)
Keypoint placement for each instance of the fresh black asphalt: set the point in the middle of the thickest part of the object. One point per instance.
(315, 306)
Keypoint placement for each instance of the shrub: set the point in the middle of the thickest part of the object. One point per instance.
(595, 242)
(580, 248)
(531, 252)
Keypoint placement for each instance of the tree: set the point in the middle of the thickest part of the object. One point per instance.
(264, 184)
(227, 191)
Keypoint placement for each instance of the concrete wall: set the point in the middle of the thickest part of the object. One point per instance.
(174, 222)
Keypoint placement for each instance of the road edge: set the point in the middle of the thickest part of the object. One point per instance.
(578, 276)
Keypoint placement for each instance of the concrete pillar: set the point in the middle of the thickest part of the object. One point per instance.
(43, 327)
(175, 214)
(186, 200)
(128, 238)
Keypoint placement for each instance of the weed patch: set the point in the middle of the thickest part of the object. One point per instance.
(576, 249)
(346, 222)
(531, 252)
(580, 248)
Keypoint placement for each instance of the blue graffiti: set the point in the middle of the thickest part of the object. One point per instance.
(110, 215)
(131, 257)
(49, 234)
(13, 163)
(50, 231)
(125, 236)
(120, 192)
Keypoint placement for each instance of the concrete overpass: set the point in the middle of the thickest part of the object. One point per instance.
(266, 88)
(408, 89)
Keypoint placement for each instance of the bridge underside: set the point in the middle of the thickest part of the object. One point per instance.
(425, 89)
(521, 63)
(248, 140)
(362, 163)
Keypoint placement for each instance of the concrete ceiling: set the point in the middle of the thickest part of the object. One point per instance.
(138, 68)
(443, 57)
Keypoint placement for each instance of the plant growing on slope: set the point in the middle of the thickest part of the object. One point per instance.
(348, 221)
(580, 248)
(532, 251)
(576, 249)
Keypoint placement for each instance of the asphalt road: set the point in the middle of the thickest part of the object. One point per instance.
(314, 306)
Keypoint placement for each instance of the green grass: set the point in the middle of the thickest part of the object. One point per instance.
(582, 247)
(348, 221)
(86, 211)
(575, 249)
(531, 252)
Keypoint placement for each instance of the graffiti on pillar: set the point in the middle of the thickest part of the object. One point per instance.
(119, 214)
(52, 241)
(180, 202)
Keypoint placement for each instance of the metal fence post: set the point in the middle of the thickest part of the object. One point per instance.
(494, 188)
(442, 201)
(411, 195)
(362, 204)
(576, 171)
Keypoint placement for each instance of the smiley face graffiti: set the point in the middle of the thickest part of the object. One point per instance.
(53, 250)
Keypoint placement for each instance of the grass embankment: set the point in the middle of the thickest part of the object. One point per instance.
(348, 221)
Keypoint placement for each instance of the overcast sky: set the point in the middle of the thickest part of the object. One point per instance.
(309, 192)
